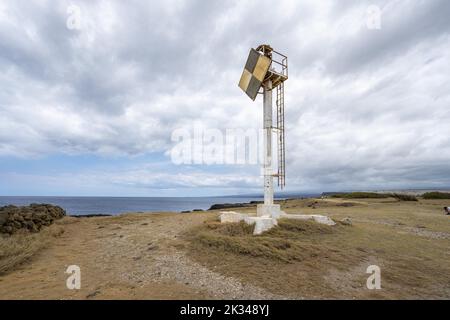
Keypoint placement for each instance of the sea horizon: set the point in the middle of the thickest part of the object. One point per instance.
(113, 205)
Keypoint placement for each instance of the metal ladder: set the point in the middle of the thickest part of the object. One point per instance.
(281, 143)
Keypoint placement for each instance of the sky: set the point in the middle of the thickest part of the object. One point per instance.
(94, 94)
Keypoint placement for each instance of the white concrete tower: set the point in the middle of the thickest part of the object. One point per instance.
(268, 209)
(267, 69)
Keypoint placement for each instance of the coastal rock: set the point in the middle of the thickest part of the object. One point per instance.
(31, 218)
(94, 215)
(3, 217)
(220, 206)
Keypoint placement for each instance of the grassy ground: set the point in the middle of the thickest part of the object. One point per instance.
(21, 247)
(192, 256)
(409, 241)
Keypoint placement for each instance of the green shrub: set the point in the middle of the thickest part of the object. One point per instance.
(436, 195)
(404, 197)
(361, 195)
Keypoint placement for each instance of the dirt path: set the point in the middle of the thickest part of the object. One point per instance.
(129, 257)
(143, 256)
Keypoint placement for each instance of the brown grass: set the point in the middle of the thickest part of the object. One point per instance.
(305, 259)
(281, 244)
(21, 247)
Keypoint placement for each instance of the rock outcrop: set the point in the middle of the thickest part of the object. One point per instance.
(31, 218)
(221, 206)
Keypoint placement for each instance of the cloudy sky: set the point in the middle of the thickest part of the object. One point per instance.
(91, 93)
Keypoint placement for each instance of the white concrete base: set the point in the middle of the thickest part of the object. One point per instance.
(232, 217)
(266, 223)
(316, 217)
(264, 210)
(261, 224)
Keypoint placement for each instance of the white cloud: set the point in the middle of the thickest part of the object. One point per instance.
(364, 107)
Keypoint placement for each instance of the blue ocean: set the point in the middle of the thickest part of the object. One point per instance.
(118, 205)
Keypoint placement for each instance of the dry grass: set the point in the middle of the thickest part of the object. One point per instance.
(280, 244)
(304, 259)
(67, 220)
(409, 241)
(21, 247)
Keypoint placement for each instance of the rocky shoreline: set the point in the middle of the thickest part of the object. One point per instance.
(94, 215)
(223, 206)
(220, 206)
(29, 218)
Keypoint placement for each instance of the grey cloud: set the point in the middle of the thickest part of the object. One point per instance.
(363, 106)
(403, 26)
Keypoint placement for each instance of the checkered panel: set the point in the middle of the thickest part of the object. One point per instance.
(254, 72)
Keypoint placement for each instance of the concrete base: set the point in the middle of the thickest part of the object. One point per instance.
(273, 211)
(316, 217)
(261, 224)
(266, 223)
(232, 217)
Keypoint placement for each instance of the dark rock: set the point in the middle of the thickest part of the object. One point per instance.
(220, 206)
(28, 216)
(30, 225)
(91, 215)
(31, 218)
(8, 229)
(3, 217)
(93, 294)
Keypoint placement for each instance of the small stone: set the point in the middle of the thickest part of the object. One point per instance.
(93, 294)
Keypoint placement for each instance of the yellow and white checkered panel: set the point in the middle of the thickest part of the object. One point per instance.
(254, 72)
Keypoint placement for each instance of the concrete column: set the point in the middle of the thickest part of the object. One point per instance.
(267, 167)
(268, 209)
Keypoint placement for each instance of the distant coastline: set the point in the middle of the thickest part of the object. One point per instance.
(94, 206)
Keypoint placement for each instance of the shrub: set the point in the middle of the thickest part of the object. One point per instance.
(436, 195)
(404, 197)
(361, 195)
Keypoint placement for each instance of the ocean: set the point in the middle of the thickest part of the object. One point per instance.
(118, 205)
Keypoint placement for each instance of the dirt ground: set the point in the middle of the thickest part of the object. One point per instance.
(152, 256)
